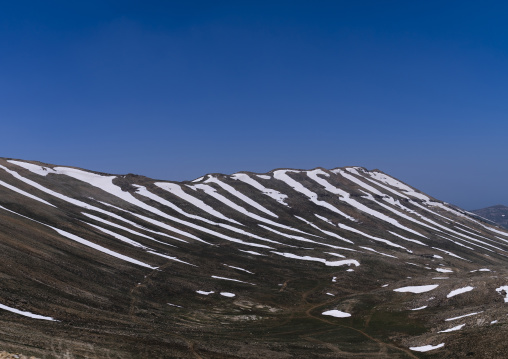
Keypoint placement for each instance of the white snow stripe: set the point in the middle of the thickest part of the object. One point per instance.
(171, 258)
(276, 195)
(101, 248)
(87, 243)
(298, 238)
(373, 250)
(407, 239)
(165, 226)
(420, 308)
(397, 193)
(400, 214)
(417, 288)
(347, 228)
(213, 193)
(106, 183)
(240, 195)
(230, 279)
(458, 291)
(251, 235)
(144, 192)
(140, 226)
(457, 243)
(70, 200)
(346, 197)
(358, 182)
(118, 236)
(458, 327)
(384, 178)
(25, 313)
(136, 244)
(112, 224)
(449, 253)
(331, 234)
(252, 252)
(202, 229)
(297, 186)
(322, 260)
(462, 316)
(176, 190)
(26, 194)
(426, 348)
(238, 268)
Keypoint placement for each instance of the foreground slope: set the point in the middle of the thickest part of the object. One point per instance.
(288, 264)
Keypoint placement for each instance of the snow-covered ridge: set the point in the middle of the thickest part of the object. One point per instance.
(380, 184)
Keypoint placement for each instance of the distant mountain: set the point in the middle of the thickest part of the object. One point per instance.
(497, 214)
(340, 263)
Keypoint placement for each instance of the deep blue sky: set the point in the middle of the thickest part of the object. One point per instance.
(177, 89)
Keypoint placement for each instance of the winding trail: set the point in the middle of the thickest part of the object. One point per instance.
(307, 309)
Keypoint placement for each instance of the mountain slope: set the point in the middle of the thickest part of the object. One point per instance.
(497, 214)
(292, 263)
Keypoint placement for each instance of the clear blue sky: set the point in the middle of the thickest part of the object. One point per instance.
(176, 89)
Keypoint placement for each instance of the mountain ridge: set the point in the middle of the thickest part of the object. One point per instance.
(498, 214)
(352, 262)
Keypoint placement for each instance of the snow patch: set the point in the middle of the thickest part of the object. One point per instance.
(443, 270)
(458, 327)
(500, 291)
(420, 308)
(227, 294)
(417, 289)
(426, 348)
(40, 170)
(336, 313)
(455, 292)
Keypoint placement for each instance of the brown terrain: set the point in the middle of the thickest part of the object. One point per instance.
(94, 265)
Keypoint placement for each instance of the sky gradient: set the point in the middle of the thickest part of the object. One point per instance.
(176, 89)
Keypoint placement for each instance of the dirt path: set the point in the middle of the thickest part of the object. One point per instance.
(308, 308)
(383, 346)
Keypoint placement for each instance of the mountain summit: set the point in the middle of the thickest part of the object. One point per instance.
(341, 263)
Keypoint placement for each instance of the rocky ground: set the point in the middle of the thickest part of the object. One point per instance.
(5, 355)
(244, 266)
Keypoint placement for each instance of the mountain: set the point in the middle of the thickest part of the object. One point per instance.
(497, 214)
(341, 263)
